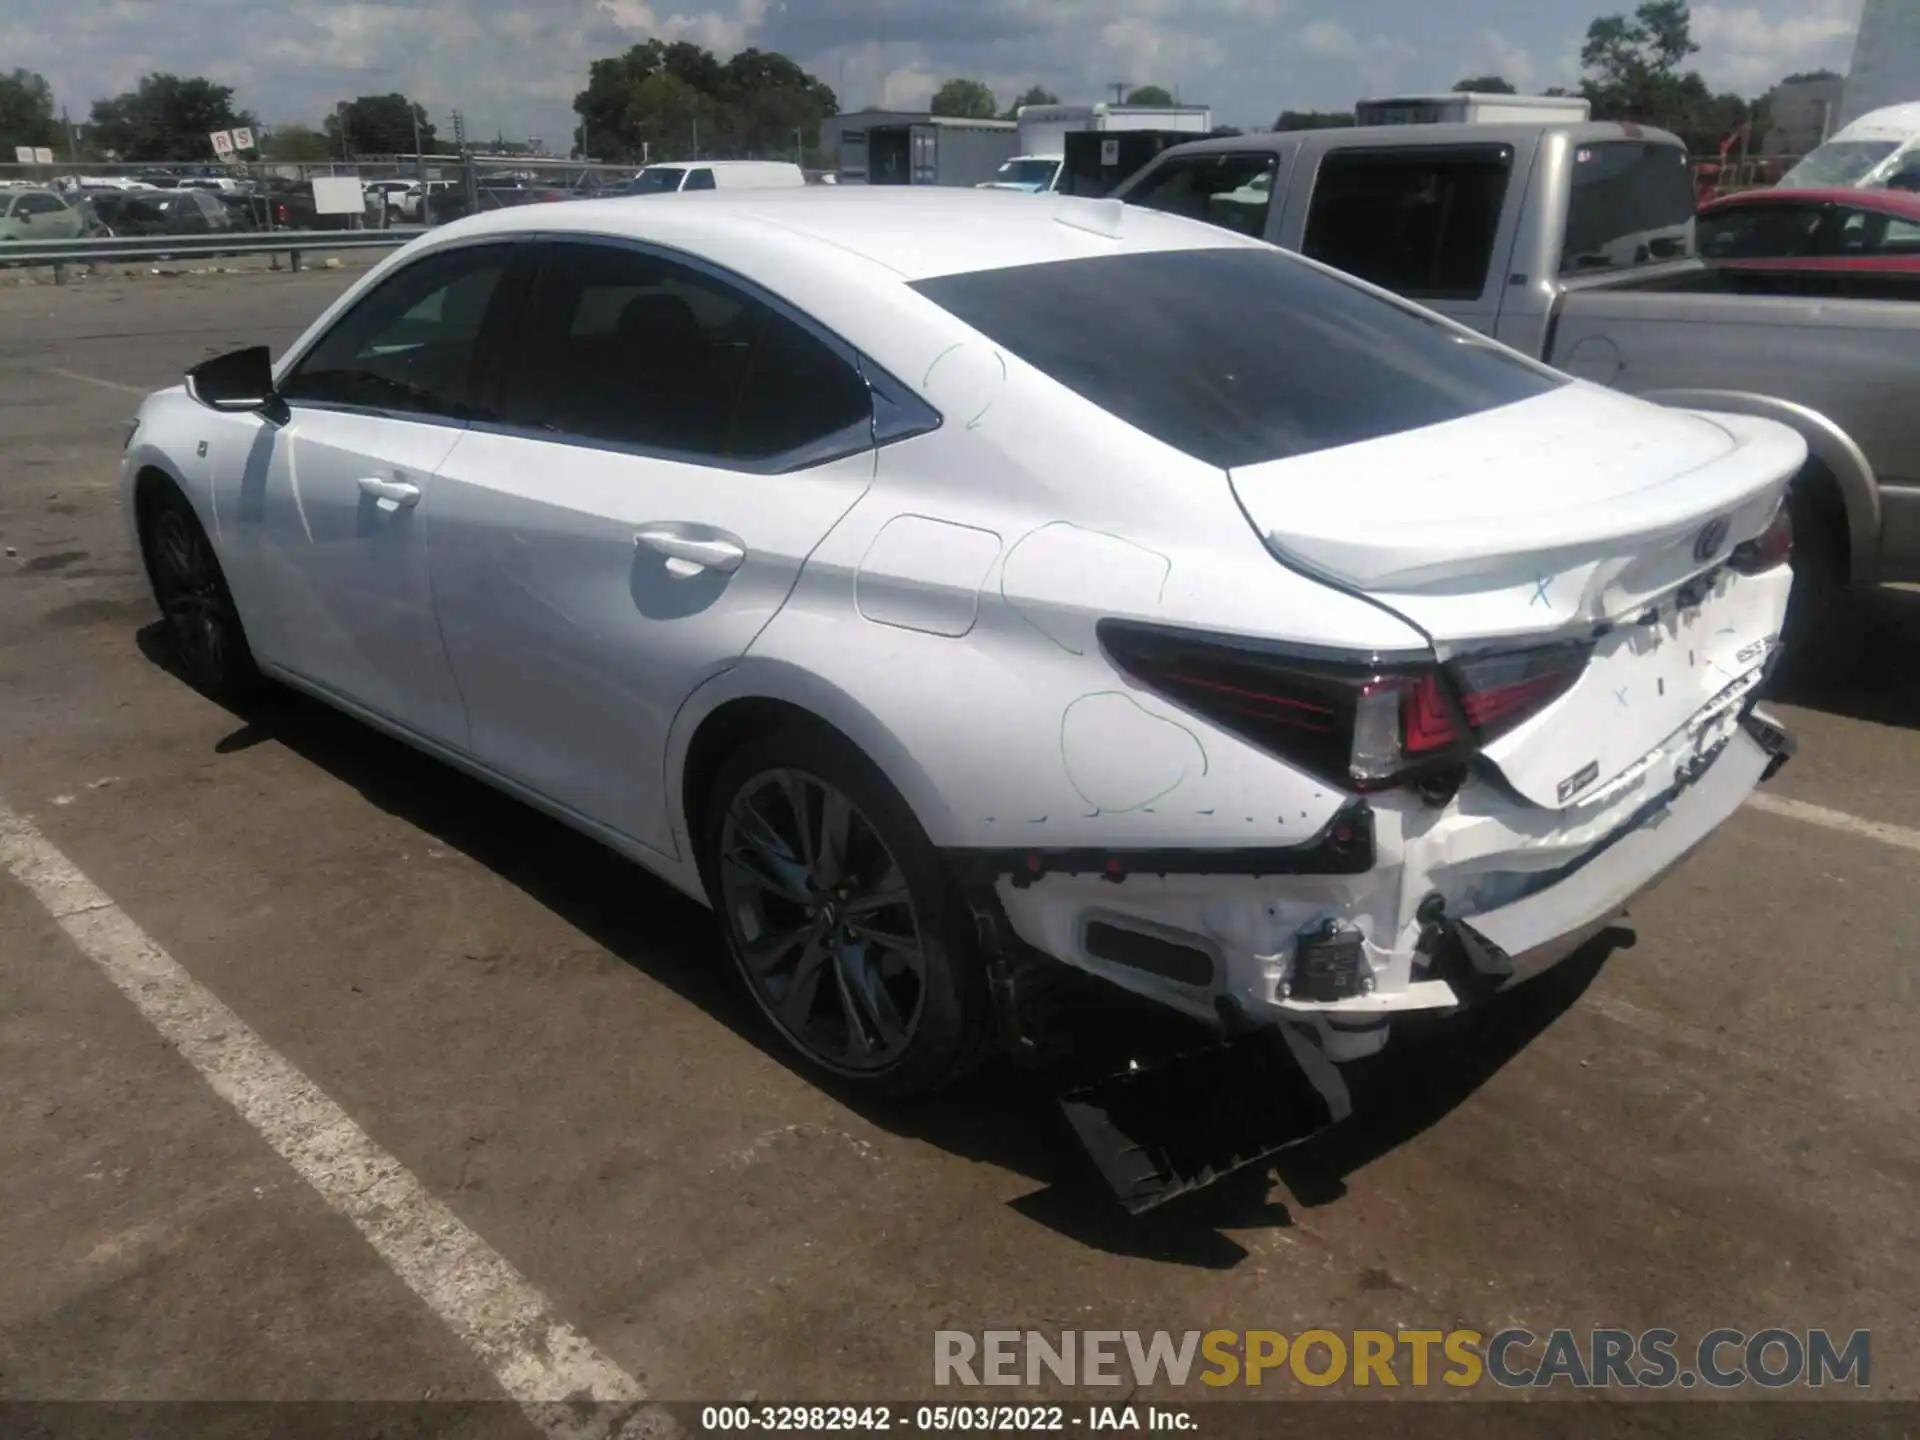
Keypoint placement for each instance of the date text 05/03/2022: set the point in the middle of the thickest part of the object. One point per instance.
(943, 1419)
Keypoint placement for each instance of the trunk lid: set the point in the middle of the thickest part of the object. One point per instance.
(1578, 512)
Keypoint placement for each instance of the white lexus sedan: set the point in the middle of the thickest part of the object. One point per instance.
(940, 582)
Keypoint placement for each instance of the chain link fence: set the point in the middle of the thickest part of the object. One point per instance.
(122, 199)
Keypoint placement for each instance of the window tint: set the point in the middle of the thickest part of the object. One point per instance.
(1631, 204)
(413, 344)
(39, 205)
(700, 180)
(1239, 355)
(1418, 222)
(1753, 232)
(626, 348)
(1231, 191)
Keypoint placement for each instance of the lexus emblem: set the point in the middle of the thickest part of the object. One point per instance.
(1712, 536)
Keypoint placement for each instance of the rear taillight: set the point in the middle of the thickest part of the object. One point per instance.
(1772, 546)
(1359, 722)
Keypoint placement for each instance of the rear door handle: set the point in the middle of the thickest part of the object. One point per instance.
(392, 494)
(688, 555)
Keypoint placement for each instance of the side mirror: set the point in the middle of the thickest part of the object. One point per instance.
(234, 383)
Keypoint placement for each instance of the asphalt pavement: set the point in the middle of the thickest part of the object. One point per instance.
(1706, 1119)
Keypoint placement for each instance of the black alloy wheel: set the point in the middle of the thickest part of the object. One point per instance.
(838, 915)
(202, 623)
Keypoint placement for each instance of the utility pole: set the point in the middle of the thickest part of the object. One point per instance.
(798, 148)
(73, 139)
(419, 157)
(1120, 91)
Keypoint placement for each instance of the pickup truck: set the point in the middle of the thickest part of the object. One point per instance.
(1573, 242)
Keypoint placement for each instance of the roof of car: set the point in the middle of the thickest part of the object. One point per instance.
(1581, 132)
(914, 232)
(1903, 203)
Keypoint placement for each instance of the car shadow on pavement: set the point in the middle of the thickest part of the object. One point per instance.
(1004, 1117)
(1861, 666)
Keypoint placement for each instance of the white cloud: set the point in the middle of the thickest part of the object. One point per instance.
(1493, 54)
(1747, 48)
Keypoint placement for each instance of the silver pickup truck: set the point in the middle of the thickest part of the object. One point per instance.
(1572, 242)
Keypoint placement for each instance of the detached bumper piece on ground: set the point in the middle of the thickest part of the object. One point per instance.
(1162, 1130)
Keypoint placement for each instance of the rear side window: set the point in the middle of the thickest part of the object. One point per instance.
(1418, 222)
(1231, 191)
(1764, 232)
(700, 180)
(1631, 204)
(1240, 355)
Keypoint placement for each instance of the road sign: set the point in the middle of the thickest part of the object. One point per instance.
(242, 138)
(24, 154)
(222, 142)
(42, 156)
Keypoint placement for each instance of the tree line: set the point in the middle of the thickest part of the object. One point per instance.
(666, 101)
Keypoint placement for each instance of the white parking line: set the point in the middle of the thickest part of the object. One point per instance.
(96, 380)
(1896, 835)
(538, 1360)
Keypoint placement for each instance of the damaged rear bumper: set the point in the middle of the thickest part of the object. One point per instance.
(1518, 941)
(1446, 907)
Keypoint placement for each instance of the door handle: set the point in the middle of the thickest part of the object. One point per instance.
(688, 555)
(392, 494)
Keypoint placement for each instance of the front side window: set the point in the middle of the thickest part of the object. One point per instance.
(1238, 355)
(1231, 191)
(40, 205)
(1758, 232)
(626, 348)
(1418, 222)
(1631, 203)
(414, 344)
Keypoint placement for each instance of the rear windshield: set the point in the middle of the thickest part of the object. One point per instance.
(1236, 356)
(655, 181)
(1632, 204)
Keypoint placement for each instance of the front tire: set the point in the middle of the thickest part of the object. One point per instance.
(840, 917)
(202, 622)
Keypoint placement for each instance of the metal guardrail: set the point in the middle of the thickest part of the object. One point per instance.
(294, 243)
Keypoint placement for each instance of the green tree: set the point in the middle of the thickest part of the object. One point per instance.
(294, 144)
(1035, 95)
(968, 98)
(26, 112)
(673, 101)
(1484, 85)
(1149, 95)
(165, 117)
(1632, 67)
(378, 125)
(773, 103)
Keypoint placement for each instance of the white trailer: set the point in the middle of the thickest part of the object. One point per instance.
(1472, 108)
(1037, 167)
(1044, 128)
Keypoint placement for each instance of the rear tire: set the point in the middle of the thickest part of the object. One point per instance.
(1820, 625)
(202, 622)
(840, 916)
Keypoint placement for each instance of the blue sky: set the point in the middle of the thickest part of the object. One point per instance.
(514, 65)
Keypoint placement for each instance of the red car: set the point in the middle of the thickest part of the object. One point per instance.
(1813, 232)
